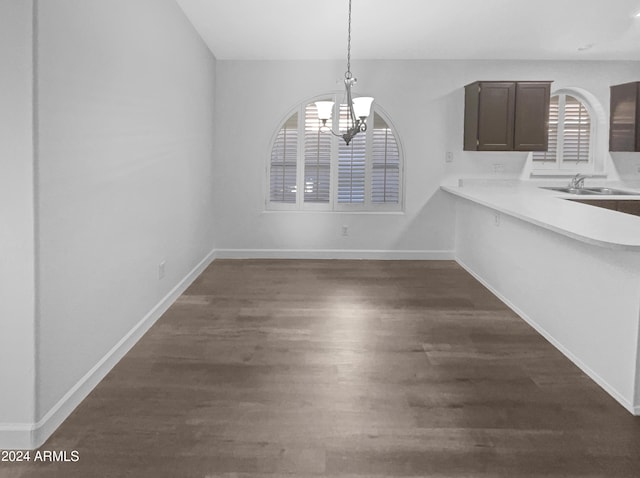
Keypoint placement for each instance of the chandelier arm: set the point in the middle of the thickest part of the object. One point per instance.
(330, 130)
(358, 127)
(352, 114)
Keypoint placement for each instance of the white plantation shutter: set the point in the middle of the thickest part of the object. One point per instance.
(569, 133)
(385, 164)
(551, 154)
(351, 164)
(317, 158)
(577, 130)
(284, 160)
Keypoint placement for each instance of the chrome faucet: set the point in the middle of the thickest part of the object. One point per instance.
(577, 182)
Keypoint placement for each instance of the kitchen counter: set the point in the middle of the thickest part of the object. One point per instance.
(570, 270)
(551, 210)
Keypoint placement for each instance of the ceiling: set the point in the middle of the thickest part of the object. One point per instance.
(418, 29)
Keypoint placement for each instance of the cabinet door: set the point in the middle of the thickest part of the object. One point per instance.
(623, 125)
(532, 116)
(496, 105)
(629, 206)
(471, 99)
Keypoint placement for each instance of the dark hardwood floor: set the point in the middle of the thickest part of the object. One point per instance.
(267, 368)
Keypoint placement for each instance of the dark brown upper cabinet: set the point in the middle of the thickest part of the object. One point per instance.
(624, 134)
(506, 116)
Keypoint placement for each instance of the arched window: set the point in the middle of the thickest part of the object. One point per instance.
(312, 169)
(571, 133)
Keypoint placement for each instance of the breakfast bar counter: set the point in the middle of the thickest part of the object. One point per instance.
(571, 270)
(558, 211)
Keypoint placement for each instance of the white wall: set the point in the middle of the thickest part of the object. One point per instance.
(17, 294)
(425, 101)
(126, 98)
(267, 93)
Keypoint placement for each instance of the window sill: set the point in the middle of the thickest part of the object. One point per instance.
(352, 212)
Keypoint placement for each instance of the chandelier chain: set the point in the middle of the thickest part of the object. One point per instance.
(348, 74)
(354, 124)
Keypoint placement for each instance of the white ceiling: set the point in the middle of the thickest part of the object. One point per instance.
(418, 29)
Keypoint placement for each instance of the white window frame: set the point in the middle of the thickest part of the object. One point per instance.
(595, 163)
(333, 205)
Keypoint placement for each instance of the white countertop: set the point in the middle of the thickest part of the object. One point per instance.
(526, 200)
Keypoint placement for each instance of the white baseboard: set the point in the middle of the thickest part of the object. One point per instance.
(31, 436)
(16, 436)
(635, 410)
(333, 254)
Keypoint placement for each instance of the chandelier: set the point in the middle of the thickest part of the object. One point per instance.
(358, 108)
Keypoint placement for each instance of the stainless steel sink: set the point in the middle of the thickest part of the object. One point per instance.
(611, 191)
(578, 191)
(600, 191)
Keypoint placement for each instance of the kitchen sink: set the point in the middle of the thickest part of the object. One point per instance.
(600, 191)
(580, 191)
(611, 191)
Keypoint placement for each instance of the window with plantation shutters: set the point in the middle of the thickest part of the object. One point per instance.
(321, 172)
(351, 164)
(317, 158)
(385, 162)
(570, 135)
(550, 154)
(577, 131)
(284, 157)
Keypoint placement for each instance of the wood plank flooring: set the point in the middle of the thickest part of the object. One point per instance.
(269, 368)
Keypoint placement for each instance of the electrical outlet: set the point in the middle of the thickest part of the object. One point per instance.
(345, 230)
(448, 157)
(496, 219)
(161, 269)
(498, 168)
